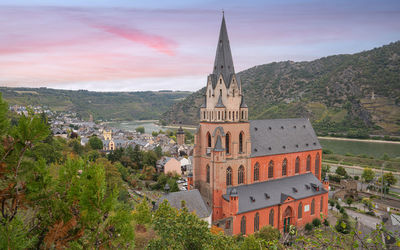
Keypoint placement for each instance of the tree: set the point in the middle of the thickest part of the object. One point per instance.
(268, 233)
(389, 179)
(158, 151)
(349, 201)
(368, 175)
(341, 171)
(142, 213)
(140, 129)
(150, 158)
(95, 143)
(331, 203)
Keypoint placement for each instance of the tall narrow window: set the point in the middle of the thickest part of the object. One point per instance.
(208, 140)
(300, 211)
(242, 115)
(208, 174)
(220, 92)
(308, 163)
(313, 206)
(209, 93)
(256, 172)
(284, 167)
(227, 143)
(241, 175)
(256, 222)
(241, 142)
(228, 176)
(271, 217)
(219, 117)
(297, 165)
(271, 169)
(229, 115)
(243, 225)
(321, 206)
(317, 165)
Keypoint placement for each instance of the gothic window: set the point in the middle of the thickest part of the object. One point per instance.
(243, 225)
(237, 115)
(317, 165)
(242, 115)
(256, 222)
(220, 80)
(208, 140)
(233, 92)
(209, 93)
(227, 143)
(297, 165)
(229, 115)
(220, 92)
(241, 175)
(241, 142)
(271, 169)
(219, 117)
(322, 203)
(225, 115)
(228, 176)
(300, 211)
(313, 206)
(271, 217)
(308, 163)
(284, 167)
(208, 174)
(257, 172)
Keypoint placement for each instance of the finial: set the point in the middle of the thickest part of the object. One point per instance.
(223, 12)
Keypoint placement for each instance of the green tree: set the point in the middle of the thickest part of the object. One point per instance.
(95, 143)
(158, 151)
(389, 179)
(137, 157)
(142, 214)
(368, 175)
(349, 201)
(341, 171)
(150, 158)
(140, 129)
(268, 233)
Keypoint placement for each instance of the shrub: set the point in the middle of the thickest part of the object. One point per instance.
(343, 225)
(370, 213)
(268, 233)
(326, 222)
(316, 222)
(338, 207)
(356, 177)
(308, 227)
(341, 210)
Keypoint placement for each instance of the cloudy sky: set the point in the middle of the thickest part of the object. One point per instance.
(121, 45)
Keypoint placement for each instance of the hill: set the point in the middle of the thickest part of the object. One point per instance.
(101, 105)
(354, 94)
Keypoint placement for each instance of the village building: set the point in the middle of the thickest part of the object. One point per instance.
(253, 173)
(180, 136)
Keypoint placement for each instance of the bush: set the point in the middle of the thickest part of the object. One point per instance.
(356, 177)
(338, 207)
(343, 225)
(326, 222)
(268, 233)
(370, 213)
(341, 210)
(308, 227)
(316, 222)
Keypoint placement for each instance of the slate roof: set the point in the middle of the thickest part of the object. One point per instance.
(193, 201)
(243, 104)
(278, 190)
(281, 136)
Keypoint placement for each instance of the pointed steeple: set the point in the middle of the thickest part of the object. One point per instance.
(223, 59)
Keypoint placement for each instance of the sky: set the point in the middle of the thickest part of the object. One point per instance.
(136, 45)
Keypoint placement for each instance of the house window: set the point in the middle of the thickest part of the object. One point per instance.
(271, 169)
(227, 143)
(317, 165)
(284, 167)
(243, 225)
(300, 211)
(241, 175)
(308, 163)
(322, 203)
(256, 222)
(256, 172)
(297, 165)
(271, 217)
(208, 174)
(241, 142)
(313, 206)
(208, 140)
(229, 176)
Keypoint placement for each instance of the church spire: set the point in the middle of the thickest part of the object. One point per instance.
(223, 63)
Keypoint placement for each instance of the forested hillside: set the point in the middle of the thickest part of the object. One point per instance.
(101, 105)
(353, 94)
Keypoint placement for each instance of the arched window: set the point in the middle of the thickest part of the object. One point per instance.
(227, 143)
(284, 167)
(220, 92)
(297, 165)
(322, 204)
(308, 163)
(271, 217)
(313, 206)
(317, 165)
(208, 174)
(229, 115)
(300, 211)
(243, 225)
(256, 171)
(241, 142)
(271, 169)
(229, 176)
(208, 140)
(209, 93)
(242, 115)
(256, 222)
(241, 175)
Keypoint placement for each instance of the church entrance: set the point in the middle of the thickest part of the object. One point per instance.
(287, 219)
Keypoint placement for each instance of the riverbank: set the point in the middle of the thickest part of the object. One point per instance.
(357, 140)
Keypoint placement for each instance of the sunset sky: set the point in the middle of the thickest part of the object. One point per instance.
(121, 45)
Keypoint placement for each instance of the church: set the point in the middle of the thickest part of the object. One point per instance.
(253, 173)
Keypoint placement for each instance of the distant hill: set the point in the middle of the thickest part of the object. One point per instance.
(101, 105)
(353, 94)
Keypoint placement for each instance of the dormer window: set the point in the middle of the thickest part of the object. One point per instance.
(266, 196)
(252, 199)
(294, 190)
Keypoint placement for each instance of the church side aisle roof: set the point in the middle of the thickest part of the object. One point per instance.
(282, 136)
(270, 193)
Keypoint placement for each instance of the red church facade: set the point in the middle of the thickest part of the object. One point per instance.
(253, 173)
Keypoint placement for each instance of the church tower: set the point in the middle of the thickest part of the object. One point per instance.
(222, 141)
